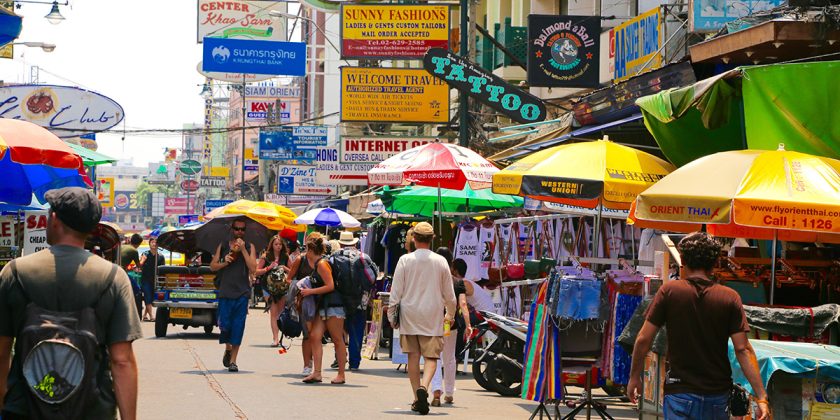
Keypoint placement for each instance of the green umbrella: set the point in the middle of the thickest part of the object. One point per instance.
(422, 201)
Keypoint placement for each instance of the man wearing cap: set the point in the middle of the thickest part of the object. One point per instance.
(65, 277)
(354, 324)
(422, 290)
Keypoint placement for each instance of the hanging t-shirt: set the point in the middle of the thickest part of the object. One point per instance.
(503, 246)
(614, 236)
(485, 242)
(526, 247)
(466, 248)
(564, 237)
(395, 244)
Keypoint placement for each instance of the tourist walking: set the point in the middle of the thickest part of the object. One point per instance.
(149, 262)
(274, 260)
(130, 262)
(422, 300)
(299, 269)
(233, 262)
(700, 317)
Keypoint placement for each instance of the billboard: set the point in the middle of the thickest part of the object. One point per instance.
(178, 205)
(7, 231)
(392, 31)
(126, 201)
(712, 15)
(66, 111)
(376, 149)
(300, 179)
(210, 205)
(105, 191)
(637, 44)
(259, 109)
(329, 170)
(258, 57)
(563, 51)
(294, 145)
(393, 95)
(238, 19)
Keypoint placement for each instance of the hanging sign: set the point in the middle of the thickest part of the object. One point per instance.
(299, 179)
(392, 95)
(258, 57)
(238, 19)
(485, 86)
(637, 44)
(7, 231)
(563, 51)
(263, 108)
(210, 205)
(376, 149)
(35, 232)
(189, 185)
(294, 145)
(392, 31)
(711, 16)
(330, 170)
(190, 167)
(214, 182)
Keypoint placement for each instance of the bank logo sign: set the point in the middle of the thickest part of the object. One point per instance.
(257, 57)
(563, 51)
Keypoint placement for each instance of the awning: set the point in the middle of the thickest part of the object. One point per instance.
(89, 157)
(804, 359)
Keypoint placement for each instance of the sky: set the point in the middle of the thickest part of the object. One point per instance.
(143, 55)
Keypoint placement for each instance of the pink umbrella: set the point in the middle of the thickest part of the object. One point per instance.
(435, 165)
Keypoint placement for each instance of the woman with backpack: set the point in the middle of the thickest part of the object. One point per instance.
(272, 268)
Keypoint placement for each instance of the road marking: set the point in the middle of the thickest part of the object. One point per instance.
(213, 383)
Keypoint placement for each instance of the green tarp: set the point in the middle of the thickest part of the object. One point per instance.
(89, 157)
(754, 107)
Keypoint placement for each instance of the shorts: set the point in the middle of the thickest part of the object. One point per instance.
(148, 292)
(231, 319)
(428, 347)
(337, 312)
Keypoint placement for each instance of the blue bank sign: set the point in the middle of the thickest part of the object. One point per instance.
(258, 57)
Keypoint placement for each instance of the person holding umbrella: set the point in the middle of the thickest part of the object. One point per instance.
(233, 261)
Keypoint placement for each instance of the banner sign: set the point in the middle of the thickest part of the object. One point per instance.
(258, 57)
(125, 201)
(330, 171)
(222, 171)
(214, 182)
(105, 191)
(238, 19)
(392, 31)
(376, 149)
(298, 200)
(485, 86)
(711, 16)
(210, 205)
(637, 44)
(294, 145)
(35, 232)
(563, 51)
(66, 111)
(260, 109)
(392, 95)
(231, 77)
(273, 91)
(299, 179)
(7, 231)
(177, 205)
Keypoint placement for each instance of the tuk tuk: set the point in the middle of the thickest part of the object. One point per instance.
(105, 241)
(184, 294)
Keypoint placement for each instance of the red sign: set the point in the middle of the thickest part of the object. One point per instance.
(189, 185)
(177, 205)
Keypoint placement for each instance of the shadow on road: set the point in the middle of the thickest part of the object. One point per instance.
(408, 412)
(327, 384)
(216, 372)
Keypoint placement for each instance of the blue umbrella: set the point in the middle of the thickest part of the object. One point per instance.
(10, 26)
(327, 217)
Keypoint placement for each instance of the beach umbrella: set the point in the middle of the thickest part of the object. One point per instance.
(422, 201)
(160, 231)
(750, 194)
(34, 161)
(435, 165)
(270, 215)
(180, 240)
(327, 217)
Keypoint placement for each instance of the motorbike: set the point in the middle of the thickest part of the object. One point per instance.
(498, 366)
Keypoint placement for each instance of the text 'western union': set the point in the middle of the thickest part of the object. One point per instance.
(559, 187)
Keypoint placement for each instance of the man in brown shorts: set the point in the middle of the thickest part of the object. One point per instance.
(422, 290)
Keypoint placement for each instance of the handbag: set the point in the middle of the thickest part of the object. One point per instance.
(739, 401)
(515, 271)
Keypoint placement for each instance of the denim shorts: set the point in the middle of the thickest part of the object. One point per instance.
(231, 319)
(694, 406)
(337, 312)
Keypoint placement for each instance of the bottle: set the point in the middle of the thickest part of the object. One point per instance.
(446, 328)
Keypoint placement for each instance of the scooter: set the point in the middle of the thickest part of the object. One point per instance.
(498, 367)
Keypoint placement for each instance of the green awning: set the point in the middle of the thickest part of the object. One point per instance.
(752, 107)
(89, 157)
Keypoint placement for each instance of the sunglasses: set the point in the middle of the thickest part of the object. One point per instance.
(239, 229)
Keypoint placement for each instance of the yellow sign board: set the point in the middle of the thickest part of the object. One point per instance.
(220, 170)
(638, 44)
(393, 95)
(393, 30)
(105, 191)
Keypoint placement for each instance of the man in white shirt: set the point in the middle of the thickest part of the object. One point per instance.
(422, 289)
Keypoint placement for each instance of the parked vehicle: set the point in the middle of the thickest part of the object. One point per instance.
(498, 367)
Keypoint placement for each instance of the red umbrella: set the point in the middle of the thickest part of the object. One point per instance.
(435, 165)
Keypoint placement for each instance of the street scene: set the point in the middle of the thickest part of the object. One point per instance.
(248, 209)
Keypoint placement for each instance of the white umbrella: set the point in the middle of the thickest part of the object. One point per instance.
(375, 207)
(327, 217)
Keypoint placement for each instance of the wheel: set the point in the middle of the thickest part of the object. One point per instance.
(161, 322)
(615, 390)
(208, 329)
(479, 370)
(504, 376)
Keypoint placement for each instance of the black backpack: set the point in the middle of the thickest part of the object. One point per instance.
(58, 353)
(289, 326)
(354, 273)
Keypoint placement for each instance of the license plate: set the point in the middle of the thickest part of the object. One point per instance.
(181, 313)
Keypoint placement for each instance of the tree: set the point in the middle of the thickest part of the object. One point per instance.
(145, 190)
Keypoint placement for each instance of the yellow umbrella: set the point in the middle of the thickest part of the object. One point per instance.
(583, 175)
(270, 215)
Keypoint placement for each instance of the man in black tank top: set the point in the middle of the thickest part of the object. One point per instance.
(233, 262)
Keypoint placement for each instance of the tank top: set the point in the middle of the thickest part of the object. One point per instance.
(481, 299)
(233, 279)
(466, 248)
(327, 300)
(304, 269)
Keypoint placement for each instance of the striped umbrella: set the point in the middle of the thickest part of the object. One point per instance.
(327, 217)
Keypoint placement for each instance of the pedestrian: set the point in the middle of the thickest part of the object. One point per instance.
(330, 310)
(700, 317)
(233, 262)
(66, 284)
(149, 262)
(299, 269)
(421, 292)
(354, 324)
(445, 380)
(130, 262)
(275, 257)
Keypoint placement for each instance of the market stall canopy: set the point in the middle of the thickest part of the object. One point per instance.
(583, 175)
(422, 201)
(753, 107)
(436, 164)
(89, 157)
(795, 358)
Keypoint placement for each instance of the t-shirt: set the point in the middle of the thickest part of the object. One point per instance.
(423, 289)
(466, 248)
(149, 270)
(66, 278)
(698, 320)
(485, 245)
(129, 254)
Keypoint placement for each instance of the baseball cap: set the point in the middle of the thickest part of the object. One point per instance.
(76, 207)
(424, 229)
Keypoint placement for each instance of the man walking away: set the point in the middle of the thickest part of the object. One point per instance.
(233, 261)
(91, 363)
(700, 317)
(421, 291)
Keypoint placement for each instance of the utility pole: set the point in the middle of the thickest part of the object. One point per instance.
(242, 188)
(463, 103)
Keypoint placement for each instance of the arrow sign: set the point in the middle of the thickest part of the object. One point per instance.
(317, 190)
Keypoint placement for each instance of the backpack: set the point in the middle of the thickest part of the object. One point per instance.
(275, 283)
(354, 274)
(289, 326)
(59, 353)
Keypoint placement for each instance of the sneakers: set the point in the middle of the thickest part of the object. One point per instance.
(233, 368)
(226, 359)
(307, 371)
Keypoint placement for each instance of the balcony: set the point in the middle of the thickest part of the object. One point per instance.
(515, 39)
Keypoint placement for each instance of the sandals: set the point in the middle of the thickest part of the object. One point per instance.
(421, 405)
(311, 379)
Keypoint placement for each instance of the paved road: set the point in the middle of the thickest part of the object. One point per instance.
(182, 376)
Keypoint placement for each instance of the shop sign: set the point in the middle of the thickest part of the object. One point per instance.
(210, 205)
(252, 163)
(637, 44)
(392, 95)
(300, 179)
(261, 109)
(392, 31)
(294, 145)
(231, 77)
(105, 191)
(190, 167)
(214, 182)
(485, 86)
(35, 232)
(184, 219)
(189, 185)
(376, 149)
(66, 111)
(563, 51)
(222, 171)
(177, 205)
(273, 91)
(7, 231)
(125, 200)
(711, 16)
(331, 171)
(260, 57)
(238, 19)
